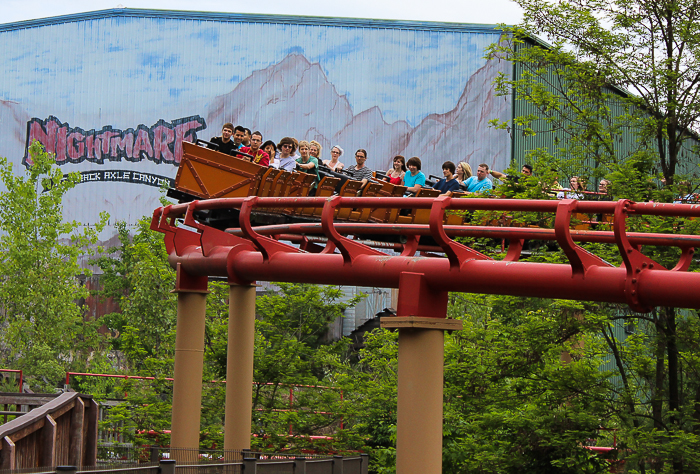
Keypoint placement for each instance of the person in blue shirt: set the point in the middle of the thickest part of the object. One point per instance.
(449, 182)
(479, 183)
(415, 179)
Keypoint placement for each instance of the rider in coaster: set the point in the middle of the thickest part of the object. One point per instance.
(260, 157)
(414, 180)
(224, 142)
(449, 182)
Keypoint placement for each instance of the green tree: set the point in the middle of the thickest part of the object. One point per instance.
(290, 349)
(601, 50)
(137, 275)
(44, 332)
(618, 89)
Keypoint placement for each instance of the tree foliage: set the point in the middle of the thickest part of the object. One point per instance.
(601, 50)
(618, 91)
(43, 330)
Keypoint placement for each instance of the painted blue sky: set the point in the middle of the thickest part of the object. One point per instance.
(163, 65)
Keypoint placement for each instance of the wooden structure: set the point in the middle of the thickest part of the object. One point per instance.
(61, 430)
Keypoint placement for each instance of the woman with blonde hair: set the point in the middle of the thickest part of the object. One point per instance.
(464, 172)
(315, 149)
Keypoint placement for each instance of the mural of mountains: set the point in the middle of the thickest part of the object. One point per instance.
(295, 98)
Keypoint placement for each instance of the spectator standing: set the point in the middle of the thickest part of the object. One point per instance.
(287, 148)
(396, 173)
(224, 142)
(414, 180)
(479, 183)
(307, 163)
(360, 172)
(449, 182)
(260, 157)
(333, 163)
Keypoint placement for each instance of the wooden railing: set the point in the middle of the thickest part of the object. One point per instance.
(61, 430)
(250, 464)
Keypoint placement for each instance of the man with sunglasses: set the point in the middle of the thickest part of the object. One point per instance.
(286, 148)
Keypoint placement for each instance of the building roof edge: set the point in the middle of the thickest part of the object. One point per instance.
(252, 18)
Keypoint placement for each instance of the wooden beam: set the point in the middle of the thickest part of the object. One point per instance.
(27, 430)
(47, 453)
(33, 399)
(7, 455)
(56, 413)
(90, 432)
(75, 456)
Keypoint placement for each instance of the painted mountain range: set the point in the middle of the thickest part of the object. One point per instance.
(294, 98)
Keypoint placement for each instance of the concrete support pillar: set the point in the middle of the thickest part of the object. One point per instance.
(421, 321)
(189, 363)
(419, 411)
(239, 367)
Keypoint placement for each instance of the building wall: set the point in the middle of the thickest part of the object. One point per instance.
(114, 93)
(553, 136)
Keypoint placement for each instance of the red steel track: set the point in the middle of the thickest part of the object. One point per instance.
(250, 253)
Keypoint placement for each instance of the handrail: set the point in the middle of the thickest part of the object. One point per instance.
(38, 414)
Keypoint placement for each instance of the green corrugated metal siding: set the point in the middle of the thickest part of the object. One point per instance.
(625, 144)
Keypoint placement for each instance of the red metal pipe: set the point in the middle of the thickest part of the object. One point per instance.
(249, 255)
(286, 231)
(473, 204)
(544, 280)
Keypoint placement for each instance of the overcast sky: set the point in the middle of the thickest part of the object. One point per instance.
(461, 11)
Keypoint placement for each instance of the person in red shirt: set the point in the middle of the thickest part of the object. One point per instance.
(259, 157)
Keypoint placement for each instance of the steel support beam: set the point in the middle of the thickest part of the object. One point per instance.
(239, 367)
(189, 363)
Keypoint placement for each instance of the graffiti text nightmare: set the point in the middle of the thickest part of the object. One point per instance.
(160, 143)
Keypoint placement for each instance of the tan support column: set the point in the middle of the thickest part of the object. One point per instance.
(421, 321)
(189, 363)
(239, 367)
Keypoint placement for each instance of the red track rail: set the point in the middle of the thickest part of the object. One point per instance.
(248, 254)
